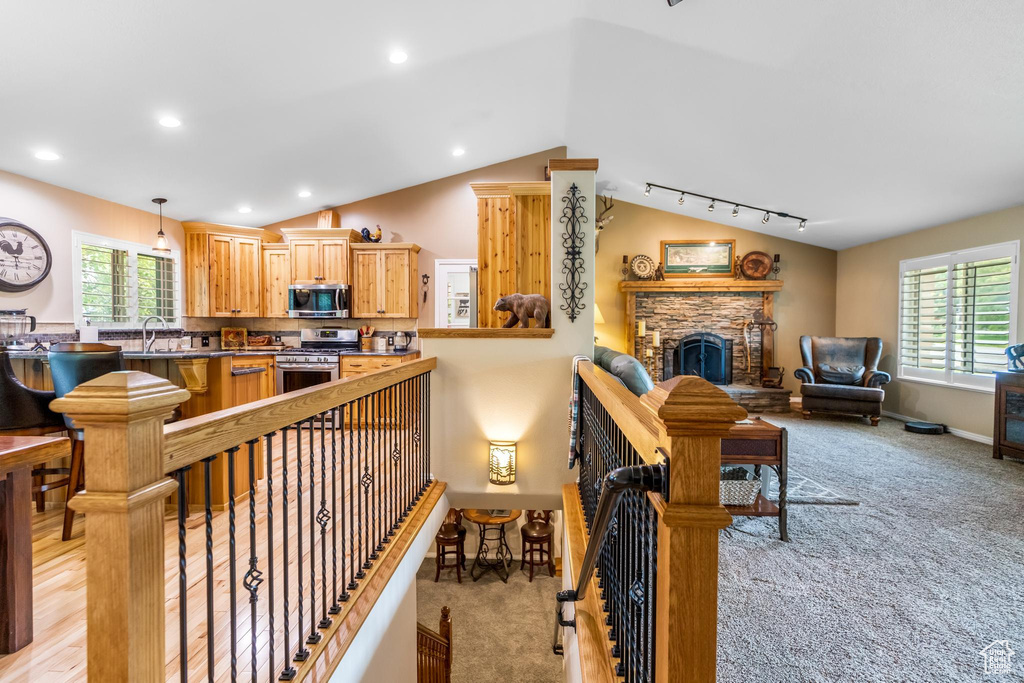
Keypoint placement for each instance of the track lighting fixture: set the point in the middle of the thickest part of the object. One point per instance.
(768, 213)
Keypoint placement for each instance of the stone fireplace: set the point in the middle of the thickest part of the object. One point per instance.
(706, 316)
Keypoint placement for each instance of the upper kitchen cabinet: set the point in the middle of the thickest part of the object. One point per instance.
(320, 256)
(384, 280)
(223, 266)
(276, 277)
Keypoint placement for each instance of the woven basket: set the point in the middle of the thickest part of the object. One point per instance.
(739, 492)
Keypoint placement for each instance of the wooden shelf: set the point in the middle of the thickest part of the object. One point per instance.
(484, 333)
(762, 507)
(700, 285)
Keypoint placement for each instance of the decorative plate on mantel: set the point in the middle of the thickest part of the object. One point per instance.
(642, 266)
(756, 265)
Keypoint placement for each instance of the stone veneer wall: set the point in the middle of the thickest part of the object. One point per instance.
(723, 313)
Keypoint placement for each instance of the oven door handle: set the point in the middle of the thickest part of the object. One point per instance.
(307, 366)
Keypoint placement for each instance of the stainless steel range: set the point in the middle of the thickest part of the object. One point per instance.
(316, 360)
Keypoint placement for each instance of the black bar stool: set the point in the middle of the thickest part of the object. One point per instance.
(72, 364)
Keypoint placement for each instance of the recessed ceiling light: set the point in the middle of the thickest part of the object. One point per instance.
(305, 193)
(169, 122)
(47, 155)
(458, 152)
(398, 57)
(244, 209)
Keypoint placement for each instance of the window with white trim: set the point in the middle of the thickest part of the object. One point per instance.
(119, 284)
(958, 312)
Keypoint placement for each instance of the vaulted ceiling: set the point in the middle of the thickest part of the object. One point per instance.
(871, 118)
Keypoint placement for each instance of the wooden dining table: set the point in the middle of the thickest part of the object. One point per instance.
(18, 455)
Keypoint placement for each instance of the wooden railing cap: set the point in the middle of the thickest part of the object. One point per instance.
(124, 396)
(691, 405)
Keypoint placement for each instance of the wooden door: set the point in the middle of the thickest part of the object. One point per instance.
(395, 293)
(276, 278)
(366, 284)
(306, 262)
(222, 304)
(334, 256)
(245, 278)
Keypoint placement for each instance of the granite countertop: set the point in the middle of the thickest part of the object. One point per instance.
(407, 352)
(235, 372)
(198, 353)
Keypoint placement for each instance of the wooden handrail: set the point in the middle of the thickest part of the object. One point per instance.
(434, 651)
(680, 421)
(189, 441)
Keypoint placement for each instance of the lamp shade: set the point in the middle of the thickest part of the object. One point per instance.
(502, 462)
(598, 318)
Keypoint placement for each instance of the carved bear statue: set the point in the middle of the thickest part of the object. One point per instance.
(524, 307)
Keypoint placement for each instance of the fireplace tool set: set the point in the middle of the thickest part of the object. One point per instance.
(771, 376)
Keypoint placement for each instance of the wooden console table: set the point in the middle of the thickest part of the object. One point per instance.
(760, 444)
(1008, 433)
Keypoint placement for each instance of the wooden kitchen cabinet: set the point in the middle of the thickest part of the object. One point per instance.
(276, 277)
(320, 256)
(384, 280)
(267, 380)
(223, 269)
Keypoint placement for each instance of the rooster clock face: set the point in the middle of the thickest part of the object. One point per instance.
(24, 257)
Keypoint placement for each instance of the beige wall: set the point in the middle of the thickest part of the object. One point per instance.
(867, 298)
(440, 216)
(54, 213)
(806, 304)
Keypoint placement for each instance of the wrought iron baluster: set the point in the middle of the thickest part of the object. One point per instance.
(211, 662)
(314, 636)
(232, 563)
(269, 445)
(323, 517)
(353, 493)
(395, 456)
(374, 435)
(254, 577)
(182, 580)
(426, 428)
(301, 654)
(288, 672)
(344, 520)
(335, 607)
(365, 479)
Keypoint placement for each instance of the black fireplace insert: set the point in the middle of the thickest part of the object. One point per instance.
(703, 354)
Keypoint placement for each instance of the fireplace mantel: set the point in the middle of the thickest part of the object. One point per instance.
(684, 285)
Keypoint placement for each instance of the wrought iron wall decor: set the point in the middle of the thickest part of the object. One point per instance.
(573, 218)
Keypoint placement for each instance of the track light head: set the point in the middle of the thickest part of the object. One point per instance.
(764, 219)
(711, 206)
(803, 226)
(682, 198)
(647, 190)
(735, 211)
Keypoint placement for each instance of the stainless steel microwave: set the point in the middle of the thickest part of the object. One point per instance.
(318, 301)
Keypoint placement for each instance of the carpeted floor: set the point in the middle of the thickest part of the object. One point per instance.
(500, 632)
(910, 585)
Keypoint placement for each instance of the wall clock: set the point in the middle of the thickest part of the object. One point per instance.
(25, 258)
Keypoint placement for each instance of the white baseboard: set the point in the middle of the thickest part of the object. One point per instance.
(963, 434)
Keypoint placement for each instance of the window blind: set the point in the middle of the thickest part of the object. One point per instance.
(923, 318)
(980, 326)
(120, 284)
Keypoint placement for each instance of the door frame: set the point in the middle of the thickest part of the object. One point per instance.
(441, 296)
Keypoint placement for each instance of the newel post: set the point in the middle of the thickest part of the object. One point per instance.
(122, 414)
(696, 415)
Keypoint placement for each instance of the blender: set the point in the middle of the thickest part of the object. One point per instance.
(14, 325)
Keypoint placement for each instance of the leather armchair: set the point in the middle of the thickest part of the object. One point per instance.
(841, 375)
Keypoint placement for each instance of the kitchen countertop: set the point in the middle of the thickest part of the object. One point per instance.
(195, 353)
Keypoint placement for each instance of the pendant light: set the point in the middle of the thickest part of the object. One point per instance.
(161, 239)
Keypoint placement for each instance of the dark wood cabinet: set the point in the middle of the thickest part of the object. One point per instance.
(1008, 434)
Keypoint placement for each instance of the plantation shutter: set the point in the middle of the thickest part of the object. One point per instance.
(981, 315)
(923, 318)
(157, 287)
(105, 293)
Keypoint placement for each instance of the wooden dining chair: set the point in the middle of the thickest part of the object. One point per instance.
(538, 536)
(72, 364)
(451, 535)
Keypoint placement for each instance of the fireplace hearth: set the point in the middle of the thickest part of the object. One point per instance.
(703, 354)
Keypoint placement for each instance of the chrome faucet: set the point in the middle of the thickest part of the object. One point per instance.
(147, 344)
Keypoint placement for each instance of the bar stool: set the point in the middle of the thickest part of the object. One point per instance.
(451, 535)
(538, 534)
(27, 413)
(72, 364)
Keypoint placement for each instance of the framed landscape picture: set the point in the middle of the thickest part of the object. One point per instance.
(699, 258)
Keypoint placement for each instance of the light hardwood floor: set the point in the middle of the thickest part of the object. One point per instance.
(58, 651)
